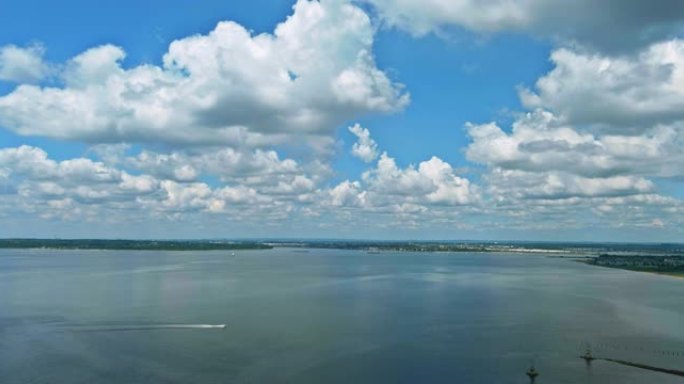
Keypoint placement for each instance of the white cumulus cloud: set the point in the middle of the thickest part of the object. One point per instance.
(23, 65)
(365, 147)
(608, 25)
(387, 186)
(623, 93)
(227, 87)
(540, 142)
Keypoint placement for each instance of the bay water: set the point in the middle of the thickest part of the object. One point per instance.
(330, 316)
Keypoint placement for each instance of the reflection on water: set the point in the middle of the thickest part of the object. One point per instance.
(329, 316)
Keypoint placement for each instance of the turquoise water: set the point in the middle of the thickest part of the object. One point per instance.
(329, 316)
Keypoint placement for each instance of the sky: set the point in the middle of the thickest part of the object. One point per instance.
(369, 119)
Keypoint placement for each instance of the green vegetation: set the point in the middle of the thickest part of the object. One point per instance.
(659, 264)
(139, 245)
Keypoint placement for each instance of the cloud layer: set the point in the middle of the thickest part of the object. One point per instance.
(233, 128)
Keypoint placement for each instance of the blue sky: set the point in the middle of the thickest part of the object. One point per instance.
(233, 119)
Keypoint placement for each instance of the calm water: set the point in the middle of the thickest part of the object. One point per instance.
(329, 316)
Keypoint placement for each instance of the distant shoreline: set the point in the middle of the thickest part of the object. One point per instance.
(591, 253)
(129, 245)
(552, 250)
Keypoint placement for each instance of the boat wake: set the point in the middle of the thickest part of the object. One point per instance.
(141, 327)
